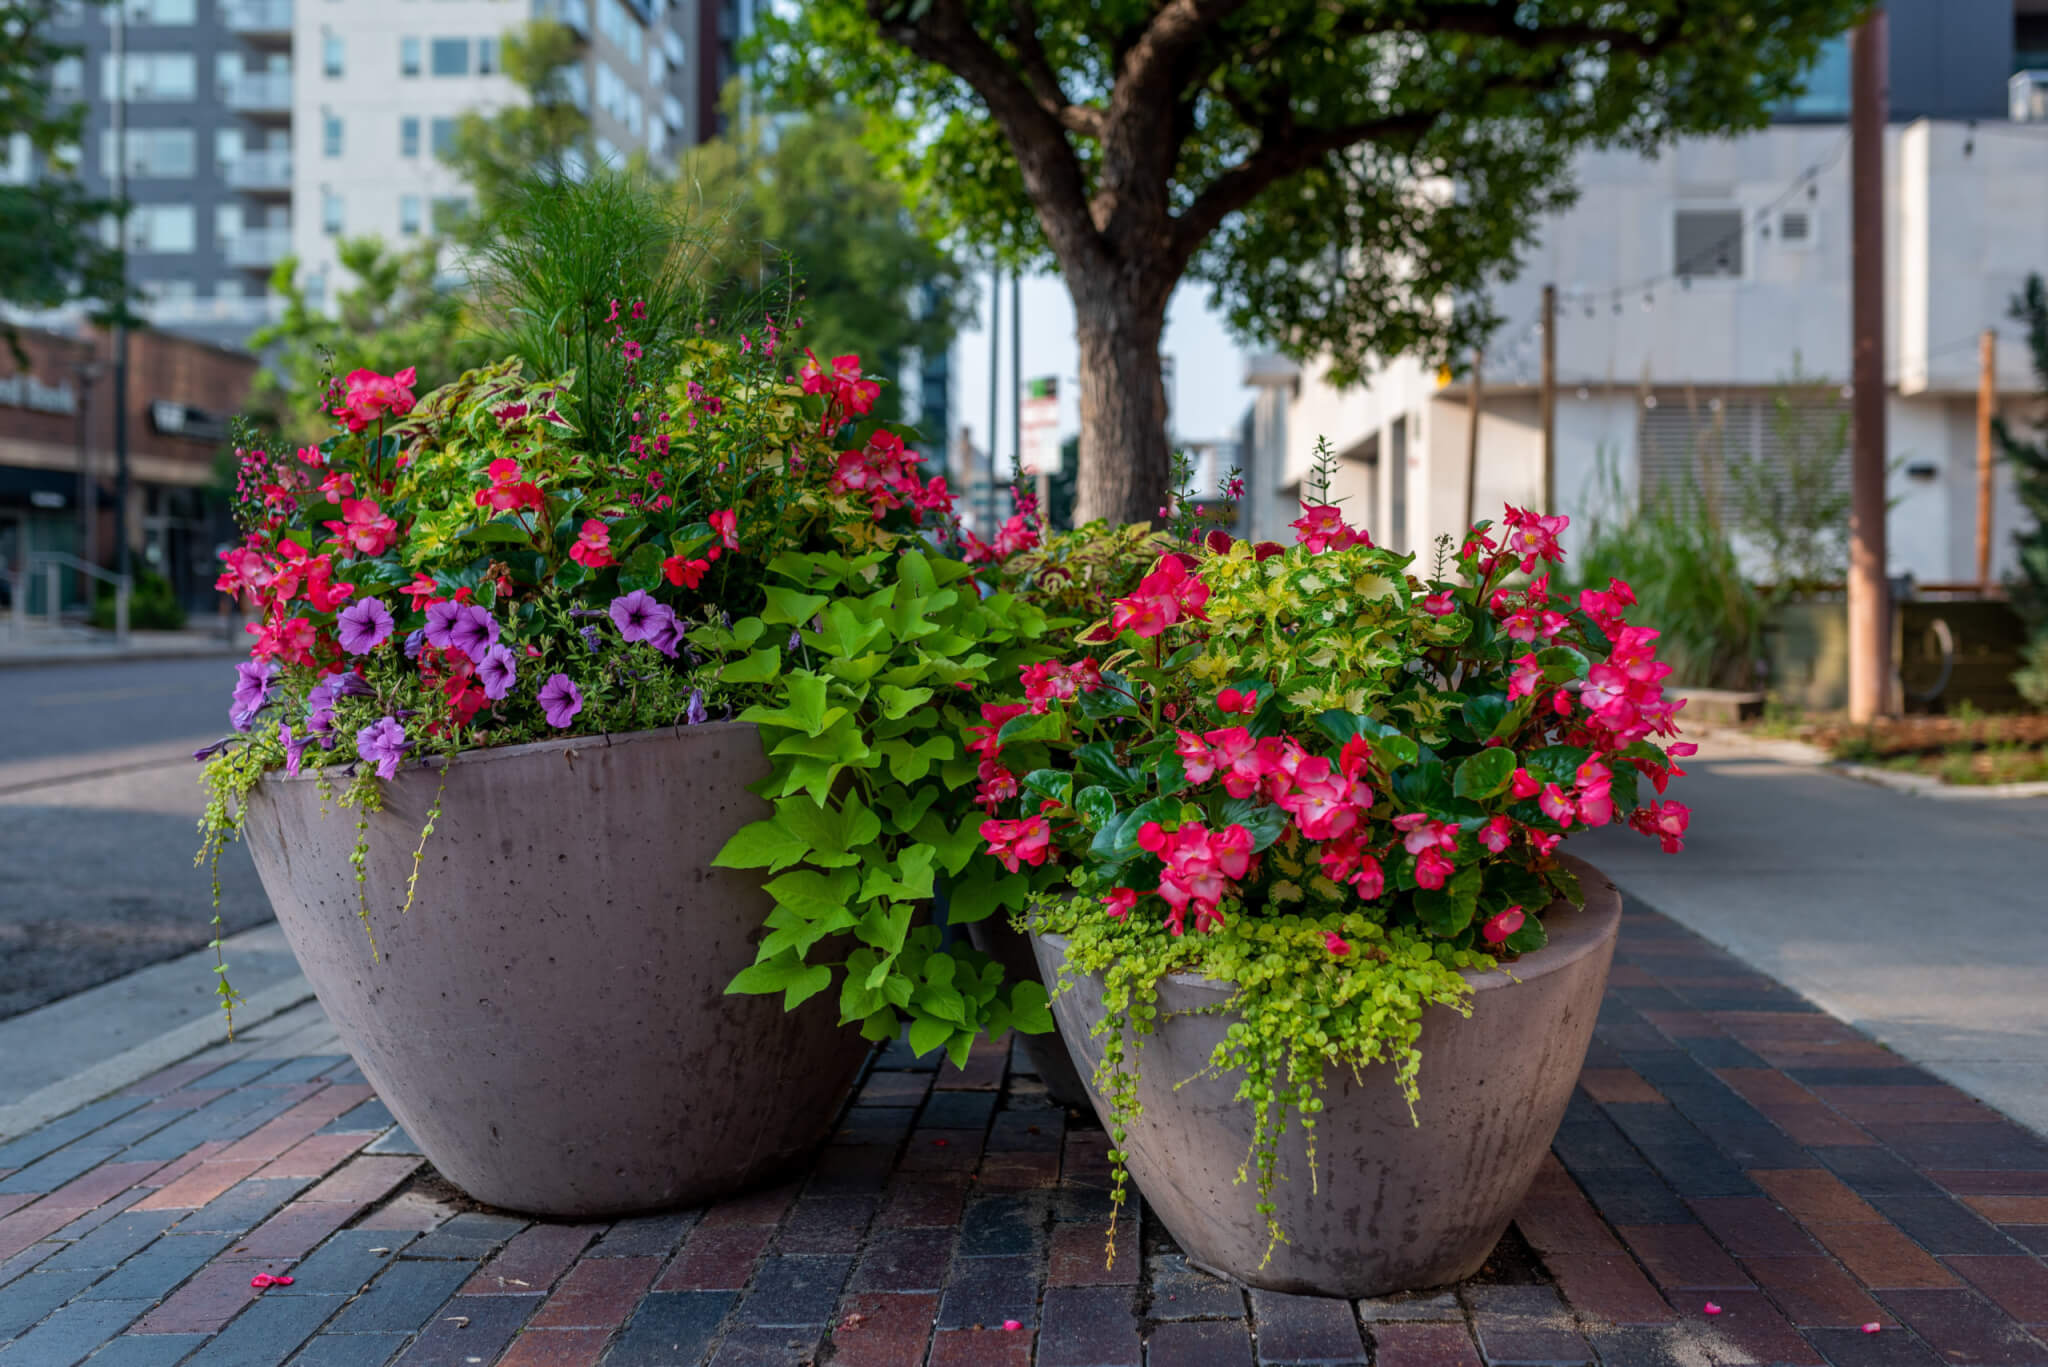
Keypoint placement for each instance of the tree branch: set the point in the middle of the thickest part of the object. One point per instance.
(1043, 81)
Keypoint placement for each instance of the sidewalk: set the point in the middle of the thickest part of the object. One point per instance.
(1921, 923)
(46, 645)
(1729, 1144)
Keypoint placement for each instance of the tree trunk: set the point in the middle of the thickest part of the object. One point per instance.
(1125, 462)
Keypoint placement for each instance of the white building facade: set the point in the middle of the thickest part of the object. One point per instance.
(1691, 288)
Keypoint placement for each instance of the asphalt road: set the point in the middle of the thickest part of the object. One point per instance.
(98, 803)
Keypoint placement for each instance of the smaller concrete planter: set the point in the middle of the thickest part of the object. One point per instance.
(1396, 1206)
(549, 1021)
(1048, 1053)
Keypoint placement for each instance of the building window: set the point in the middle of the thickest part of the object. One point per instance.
(332, 55)
(162, 228)
(152, 76)
(153, 153)
(408, 56)
(451, 56)
(1707, 243)
(409, 136)
(330, 213)
(227, 147)
(330, 135)
(1691, 452)
(165, 13)
(227, 224)
(442, 132)
(486, 56)
(67, 78)
(1826, 95)
(409, 214)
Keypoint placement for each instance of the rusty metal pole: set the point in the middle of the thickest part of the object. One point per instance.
(1987, 408)
(1547, 399)
(1869, 594)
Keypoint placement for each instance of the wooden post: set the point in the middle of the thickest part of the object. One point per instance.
(1547, 399)
(1987, 407)
(1472, 437)
(1870, 654)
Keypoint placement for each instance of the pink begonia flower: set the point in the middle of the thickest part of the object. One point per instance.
(1167, 595)
(1440, 604)
(1336, 943)
(1527, 678)
(1497, 834)
(1531, 537)
(1322, 528)
(1020, 842)
(1524, 784)
(1231, 702)
(1498, 928)
(1120, 901)
(1432, 870)
(727, 524)
(1556, 805)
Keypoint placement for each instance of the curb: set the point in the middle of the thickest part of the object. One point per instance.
(1924, 785)
(125, 1070)
(111, 657)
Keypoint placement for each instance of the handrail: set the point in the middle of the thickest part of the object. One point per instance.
(53, 564)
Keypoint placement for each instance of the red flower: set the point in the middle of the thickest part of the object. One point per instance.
(593, 548)
(1119, 901)
(688, 573)
(370, 396)
(364, 528)
(1167, 595)
(507, 492)
(1322, 528)
(1336, 943)
(1498, 928)
(726, 524)
(1230, 702)
(1020, 842)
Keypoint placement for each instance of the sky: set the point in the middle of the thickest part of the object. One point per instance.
(1207, 392)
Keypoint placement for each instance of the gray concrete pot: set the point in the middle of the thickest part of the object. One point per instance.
(549, 1021)
(1049, 1057)
(1397, 1206)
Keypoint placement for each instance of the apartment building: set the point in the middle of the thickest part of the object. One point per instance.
(261, 128)
(1691, 286)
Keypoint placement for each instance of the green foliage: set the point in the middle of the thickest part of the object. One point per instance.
(52, 251)
(864, 703)
(1274, 150)
(395, 314)
(812, 195)
(151, 607)
(1668, 545)
(1297, 1014)
(1076, 574)
(1795, 508)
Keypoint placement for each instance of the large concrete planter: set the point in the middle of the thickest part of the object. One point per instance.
(1396, 1206)
(549, 1021)
(1049, 1056)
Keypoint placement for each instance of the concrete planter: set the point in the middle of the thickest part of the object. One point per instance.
(1049, 1056)
(549, 1021)
(1397, 1206)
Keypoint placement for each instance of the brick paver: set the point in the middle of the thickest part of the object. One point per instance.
(1730, 1146)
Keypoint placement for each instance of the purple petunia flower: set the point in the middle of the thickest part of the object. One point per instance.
(666, 635)
(207, 752)
(441, 618)
(414, 642)
(696, 714)
(383, 744)
(252, 692)
(560, 699)
(636, 614)
(294, 747)
(475, 631)
(364, 626)
(320, 702)
(590, 638)
(497, 671)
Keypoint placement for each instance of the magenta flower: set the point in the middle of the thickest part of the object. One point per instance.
(638, 616)
(364, 626)
(441, 619)
(294, 747)
(497, 671)
(560, 700)
(474, 632)
(383, 744)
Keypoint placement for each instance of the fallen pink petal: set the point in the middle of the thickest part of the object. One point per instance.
(1013, 1325)
(1711, 1308)
(1872, 1327)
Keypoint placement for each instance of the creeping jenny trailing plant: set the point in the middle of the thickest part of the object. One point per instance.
(1336, 785)
(737, 537)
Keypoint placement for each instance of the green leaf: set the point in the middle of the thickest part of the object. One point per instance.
(767, 845)
(1032, 726)
(1097, 761)
(1561, 664)
(642, 569)
(804, 711)
(901, 702)
(1056, 784)
(1446, 911)
(790, 607)
(1264, 822)
(813, 895)
(984, 890)
(499, 532)
(1485, 775)
(1096, 805)
(928, 1033)
(847, 629)
(759, 667)
(768, 975)
(1028, 1011)
(807, 984)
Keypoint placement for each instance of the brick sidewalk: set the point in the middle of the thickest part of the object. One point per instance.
(1730, 1144)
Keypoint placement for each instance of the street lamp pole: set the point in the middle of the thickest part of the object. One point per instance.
(1869, 592)
(122, 564)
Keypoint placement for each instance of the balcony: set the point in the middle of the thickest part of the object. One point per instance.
(243, 311)
(259, 18)
(574, 13)
(259, 248)
(261, 172)
(259, 92)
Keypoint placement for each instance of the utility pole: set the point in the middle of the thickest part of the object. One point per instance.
(1987, 408)
(1472, 437)
(1546, 399)
(1869, 593)
(995, 379)
(1017, 374)
(122, 564)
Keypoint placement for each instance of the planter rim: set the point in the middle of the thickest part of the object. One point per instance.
(1581, 939)
(489, 754)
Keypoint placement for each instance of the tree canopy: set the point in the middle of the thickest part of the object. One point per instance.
(1347, 176)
